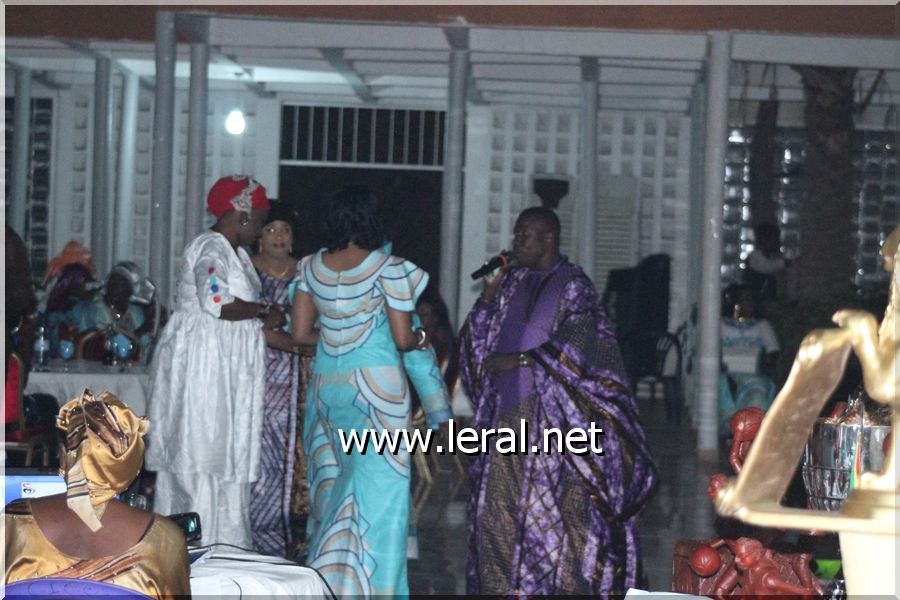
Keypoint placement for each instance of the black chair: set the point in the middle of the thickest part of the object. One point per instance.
(657, 358)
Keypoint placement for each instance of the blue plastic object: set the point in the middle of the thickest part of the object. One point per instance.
(52, 587)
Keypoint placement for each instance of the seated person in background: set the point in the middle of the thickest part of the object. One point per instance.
(766, 263)
(745, 335)
(117, 306)
(435, 318)
(86, 533)
(72, 286)
(70, 278)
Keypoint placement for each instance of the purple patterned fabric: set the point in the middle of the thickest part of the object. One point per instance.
(270, 496)
(555, 523)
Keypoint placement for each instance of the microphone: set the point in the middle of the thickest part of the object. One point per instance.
(501, 260)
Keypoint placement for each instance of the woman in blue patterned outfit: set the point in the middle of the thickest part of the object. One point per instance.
(363, 299)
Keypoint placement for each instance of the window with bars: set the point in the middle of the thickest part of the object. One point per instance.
(37, 219)
(374, 136)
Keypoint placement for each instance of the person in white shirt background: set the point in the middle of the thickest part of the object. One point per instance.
(766, 264)
(744, 334)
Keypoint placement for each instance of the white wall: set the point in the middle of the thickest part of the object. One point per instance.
(254, 153)
(512, 143)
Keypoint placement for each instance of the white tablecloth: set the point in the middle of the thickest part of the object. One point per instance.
(225, 572)
(131, 385)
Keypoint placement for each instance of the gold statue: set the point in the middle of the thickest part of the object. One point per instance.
(868, 521)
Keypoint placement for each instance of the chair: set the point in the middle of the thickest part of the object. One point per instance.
(420, 461)
(91, 344)
(59, 587)
(23, 438)
(658, 359)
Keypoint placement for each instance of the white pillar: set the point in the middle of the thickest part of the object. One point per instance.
(124, 230)
(161, 182)
(18, 185)
(196, 158)
(587, 165)
(452, 186)
(710, 274)
(101, 209)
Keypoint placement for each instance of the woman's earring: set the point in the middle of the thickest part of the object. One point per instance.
(245, 219)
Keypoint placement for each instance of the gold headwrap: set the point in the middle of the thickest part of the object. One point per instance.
(104, 452)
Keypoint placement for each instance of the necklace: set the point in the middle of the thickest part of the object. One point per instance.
(278, 274)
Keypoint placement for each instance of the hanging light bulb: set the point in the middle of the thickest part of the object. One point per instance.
(234, 123)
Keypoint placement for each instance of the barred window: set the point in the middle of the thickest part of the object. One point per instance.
(371, 136)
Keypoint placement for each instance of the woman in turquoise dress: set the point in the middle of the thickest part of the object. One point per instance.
(362, 299)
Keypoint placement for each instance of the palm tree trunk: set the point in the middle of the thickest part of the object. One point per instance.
(825, 261)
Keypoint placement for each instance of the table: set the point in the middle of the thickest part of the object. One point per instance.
(227, 572)
(65, 380)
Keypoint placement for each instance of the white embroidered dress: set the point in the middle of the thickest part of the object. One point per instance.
(207, 390)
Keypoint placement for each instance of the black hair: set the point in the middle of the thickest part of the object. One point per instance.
(546, 216)
(732, 295)
(353, 217)
(432, 297)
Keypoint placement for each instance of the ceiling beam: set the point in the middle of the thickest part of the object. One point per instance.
(241, 31)
(411, 68)
(42, 77)
(823, 51)
(598, 43)
(335, 57)
(87, 50)
(397, 55)
(241, 72)
(413, 80)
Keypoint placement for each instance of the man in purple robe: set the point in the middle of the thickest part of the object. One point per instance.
(537, 346)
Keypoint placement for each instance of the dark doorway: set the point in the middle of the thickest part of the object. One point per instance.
(409, 201)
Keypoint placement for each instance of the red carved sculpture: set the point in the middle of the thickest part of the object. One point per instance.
(745, 425)
(761, 571)
(741, 564)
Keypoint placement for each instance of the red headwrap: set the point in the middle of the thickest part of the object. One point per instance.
(236, 192)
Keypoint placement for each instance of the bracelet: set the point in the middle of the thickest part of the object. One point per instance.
(264, 310)
(421, 337)
(523, 360)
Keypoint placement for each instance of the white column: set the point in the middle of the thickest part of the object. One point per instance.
(101, 211)
(452, 185)
(587, 165)
(124, 230)
(18, 185)
(163, 128)
(196, 158)
(710, 275)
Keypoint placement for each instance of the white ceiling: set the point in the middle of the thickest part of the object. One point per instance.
(355, 62)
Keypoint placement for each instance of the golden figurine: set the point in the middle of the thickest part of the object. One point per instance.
(868, 520)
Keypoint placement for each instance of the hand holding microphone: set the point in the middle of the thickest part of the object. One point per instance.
(499, 261)
(492, 283)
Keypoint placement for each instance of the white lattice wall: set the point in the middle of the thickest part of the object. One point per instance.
(73, 123)
(225, 154)
(516, 142)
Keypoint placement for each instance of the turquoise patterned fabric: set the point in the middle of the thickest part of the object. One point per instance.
(359, 513)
